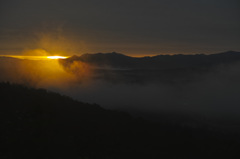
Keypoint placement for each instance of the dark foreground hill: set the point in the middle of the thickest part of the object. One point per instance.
(39, 124)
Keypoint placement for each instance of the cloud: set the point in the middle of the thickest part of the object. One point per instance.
(214, 93)
(34, 73)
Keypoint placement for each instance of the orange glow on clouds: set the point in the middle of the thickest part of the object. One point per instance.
(56, 57)
(36, 57)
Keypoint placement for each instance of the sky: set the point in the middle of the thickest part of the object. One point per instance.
(132, 27)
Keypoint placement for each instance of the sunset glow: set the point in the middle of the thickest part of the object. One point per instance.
(56, 57)
(35, 57)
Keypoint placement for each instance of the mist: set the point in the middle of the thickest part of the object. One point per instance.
(212, 94)
(34, 73)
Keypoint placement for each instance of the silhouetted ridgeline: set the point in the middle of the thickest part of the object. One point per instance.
(115, 67)
(159, 62)
(36, 123)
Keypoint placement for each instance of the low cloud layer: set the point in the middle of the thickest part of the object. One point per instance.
(212, 93)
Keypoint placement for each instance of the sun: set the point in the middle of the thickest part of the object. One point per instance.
(56, 57)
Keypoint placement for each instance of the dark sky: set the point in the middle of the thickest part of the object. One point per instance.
(132, 27)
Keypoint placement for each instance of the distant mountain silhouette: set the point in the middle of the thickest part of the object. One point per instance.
(117, 60)
(115, 67)
(39, 124)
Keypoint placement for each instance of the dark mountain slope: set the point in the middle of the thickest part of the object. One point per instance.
(36, 123)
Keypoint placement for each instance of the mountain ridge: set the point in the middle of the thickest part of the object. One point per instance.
(117, 60)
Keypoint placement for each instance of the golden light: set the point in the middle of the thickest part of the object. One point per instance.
(56, 57)
(35, 57)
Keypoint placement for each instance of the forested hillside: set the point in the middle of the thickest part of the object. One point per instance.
(39, 124)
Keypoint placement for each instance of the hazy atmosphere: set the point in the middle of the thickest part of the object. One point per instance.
(92, 79)
(180, 84)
